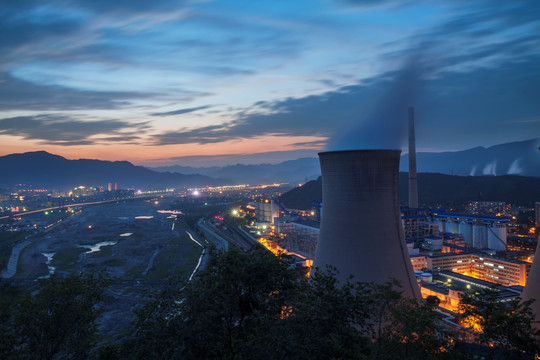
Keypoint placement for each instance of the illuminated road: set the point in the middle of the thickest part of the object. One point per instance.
(57, 207)
(217, 240)
(200, 257)
(78, 204)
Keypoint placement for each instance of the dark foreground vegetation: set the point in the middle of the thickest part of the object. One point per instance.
(252, 306)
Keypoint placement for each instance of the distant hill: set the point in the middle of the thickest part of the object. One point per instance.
(446, 190)
(41, 168)
(520, 158)
(516, 158)
(292, 171)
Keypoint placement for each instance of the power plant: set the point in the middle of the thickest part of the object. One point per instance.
(361, 232)
(532, 287)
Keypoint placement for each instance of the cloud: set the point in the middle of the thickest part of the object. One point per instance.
(319, 144)
(62, 130)
(454, 110)
(18, 94)
(181, 111)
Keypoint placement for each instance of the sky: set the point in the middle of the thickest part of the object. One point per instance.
(204, 83)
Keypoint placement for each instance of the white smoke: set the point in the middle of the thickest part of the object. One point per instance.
(490, 168)
(473, 171)
(515, 168)
(385, 125)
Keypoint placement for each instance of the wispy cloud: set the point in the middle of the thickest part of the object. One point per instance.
(181, 111)
(461, 103)
(18, 94)
(62, 130)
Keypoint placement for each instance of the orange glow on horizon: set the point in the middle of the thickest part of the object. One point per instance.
(142, 153)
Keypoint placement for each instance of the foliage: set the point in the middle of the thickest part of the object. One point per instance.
(58, 321)
(504, 326)
(250, 306)
(9, 296)
(213, 317)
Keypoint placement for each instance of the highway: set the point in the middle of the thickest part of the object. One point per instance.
(71, 205)
(228, 234)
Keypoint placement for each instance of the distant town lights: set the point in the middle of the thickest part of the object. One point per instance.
(196, 193)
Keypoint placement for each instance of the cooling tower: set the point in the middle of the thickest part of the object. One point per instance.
(361, 232)
(532, 286)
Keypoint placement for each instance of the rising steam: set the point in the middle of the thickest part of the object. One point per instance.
(384, 126)
(515, 168)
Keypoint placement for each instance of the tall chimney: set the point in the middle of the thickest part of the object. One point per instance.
(413, 180)
(361, 232)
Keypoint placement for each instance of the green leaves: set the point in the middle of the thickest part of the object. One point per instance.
(503, 325)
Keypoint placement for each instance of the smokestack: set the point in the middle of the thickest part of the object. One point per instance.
(361, 232)
(413, 180)
(532, 287)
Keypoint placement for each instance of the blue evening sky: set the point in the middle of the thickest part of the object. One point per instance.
(217, 82)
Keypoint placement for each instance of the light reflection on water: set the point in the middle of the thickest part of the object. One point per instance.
(51, 269)
(98, 246)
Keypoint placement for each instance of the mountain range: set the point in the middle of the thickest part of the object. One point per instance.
(41, 168)
(517, 158)
(291, 171)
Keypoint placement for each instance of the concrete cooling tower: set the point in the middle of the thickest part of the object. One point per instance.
(361, 232)
(532, 286)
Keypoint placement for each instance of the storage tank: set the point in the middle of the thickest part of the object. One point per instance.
(479, 236)
(452, 226)
(497, 237)
(427, 278)
(465, 228)
(361, 232)
(442, 225)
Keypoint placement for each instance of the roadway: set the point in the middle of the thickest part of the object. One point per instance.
(71, 205)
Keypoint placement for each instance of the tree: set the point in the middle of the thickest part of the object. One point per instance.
(504, 326)
(9, 295)
(251, 305)
(59, 321)
(218, 313)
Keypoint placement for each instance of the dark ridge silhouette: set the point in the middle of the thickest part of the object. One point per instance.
(441, 189)
(41, 168)
(292, 171)
(518, 158)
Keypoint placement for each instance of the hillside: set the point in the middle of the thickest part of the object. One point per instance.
(291, 171)
(44, 169)
(515, 158)
(440, 189)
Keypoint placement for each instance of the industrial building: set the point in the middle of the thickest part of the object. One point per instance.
(266, 210)
(479, 231)
(486, 207)
(449, 287)
(503, 271)
(299, 235)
